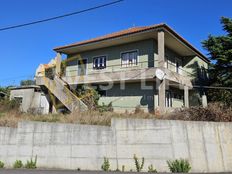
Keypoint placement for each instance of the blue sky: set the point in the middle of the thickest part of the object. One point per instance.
(23, 49)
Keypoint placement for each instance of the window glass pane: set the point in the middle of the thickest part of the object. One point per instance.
(129, 58)
(99, 62)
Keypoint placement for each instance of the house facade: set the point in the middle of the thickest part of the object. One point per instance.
(151, 67)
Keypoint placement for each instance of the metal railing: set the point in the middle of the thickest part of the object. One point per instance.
(179, 70)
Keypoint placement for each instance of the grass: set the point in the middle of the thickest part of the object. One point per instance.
(11, 117)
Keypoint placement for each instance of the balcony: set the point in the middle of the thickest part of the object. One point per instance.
(118, 73)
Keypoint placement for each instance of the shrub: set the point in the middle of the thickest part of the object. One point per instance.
(179, 166)
(151, 169)
(106, 165)
(105, 108)
(138, 166)
(50, 72)
(88, 95)
(6, 105)
(1, 164)
(31, 164)
(18, 164)
(138, 110)
(217, 112)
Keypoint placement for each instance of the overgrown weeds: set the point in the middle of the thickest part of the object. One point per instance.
(18, 164)
(1, 164)
(12, 117)
(179, 166)
(31, 164)
(217, 112)
(138, 165)
(106, 165)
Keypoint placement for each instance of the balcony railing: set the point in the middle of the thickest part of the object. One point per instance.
(109, 68)
(87, 70)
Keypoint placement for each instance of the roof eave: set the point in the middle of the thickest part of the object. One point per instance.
(159, 26)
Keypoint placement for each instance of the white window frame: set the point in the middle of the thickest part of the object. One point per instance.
(129, 51)
(99, 56)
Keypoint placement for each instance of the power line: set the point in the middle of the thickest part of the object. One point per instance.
(59, 17)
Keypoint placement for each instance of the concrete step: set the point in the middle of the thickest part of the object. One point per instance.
(57, 87)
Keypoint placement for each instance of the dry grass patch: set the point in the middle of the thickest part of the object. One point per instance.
(217, 112)
(11, 118)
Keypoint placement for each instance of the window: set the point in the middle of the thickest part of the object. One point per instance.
(168, 101)
(82, 67)
(19, 100)
(99, 62)
(129, 58)
(178, 65)
(203, 73)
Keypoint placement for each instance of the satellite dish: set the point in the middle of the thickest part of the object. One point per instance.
(159, 74)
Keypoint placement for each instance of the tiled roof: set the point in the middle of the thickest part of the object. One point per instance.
(112, 35)
(133, 31)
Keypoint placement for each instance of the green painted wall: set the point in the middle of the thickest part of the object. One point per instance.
(133, 95)
(113, 55)
(191, 64)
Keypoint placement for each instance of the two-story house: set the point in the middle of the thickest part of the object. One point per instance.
(152, 67)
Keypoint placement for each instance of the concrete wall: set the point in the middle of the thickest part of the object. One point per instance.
(206, 145)
(31, 100)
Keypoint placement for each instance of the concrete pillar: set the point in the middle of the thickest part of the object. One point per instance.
(58, 63)
(162, 95)
(161, 63)
(204, 101)
(186, 96)
(156, 100)
(161, 49)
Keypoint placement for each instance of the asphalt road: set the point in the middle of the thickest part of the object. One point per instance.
(27, 171)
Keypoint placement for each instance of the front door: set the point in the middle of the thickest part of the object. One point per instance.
(82, 67)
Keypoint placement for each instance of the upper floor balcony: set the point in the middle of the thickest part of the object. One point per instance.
(84, 74)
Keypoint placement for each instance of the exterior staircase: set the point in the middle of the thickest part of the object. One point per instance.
(59, 89)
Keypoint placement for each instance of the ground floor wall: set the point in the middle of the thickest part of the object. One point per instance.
(145, 96)
(206, 145)
(130, 96)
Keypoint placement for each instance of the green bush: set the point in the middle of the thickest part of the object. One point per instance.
(18, 164)
(123, 168)
(179, 166)
(106, 165)
(105, 108)
(1, 164)
(138, 166)
(50, 72)
(31, 164)
(151, 169)
(88, 95)
(6, 104)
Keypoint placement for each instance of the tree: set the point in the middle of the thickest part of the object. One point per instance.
(27, 82)
(220, 53)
